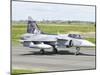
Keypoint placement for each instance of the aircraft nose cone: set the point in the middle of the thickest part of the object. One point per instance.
(87, 43)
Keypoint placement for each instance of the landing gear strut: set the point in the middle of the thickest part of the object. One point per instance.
(55, 50)
(77, 52)
(42, 51)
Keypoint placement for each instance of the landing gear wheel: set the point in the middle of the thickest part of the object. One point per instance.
(77, 52)
(55, 50)
(42, 51)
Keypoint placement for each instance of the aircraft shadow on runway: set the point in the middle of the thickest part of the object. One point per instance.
(62, 52)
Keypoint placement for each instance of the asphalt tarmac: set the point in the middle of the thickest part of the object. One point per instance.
(64, 60)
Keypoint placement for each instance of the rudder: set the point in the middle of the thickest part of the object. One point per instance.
(32, 27)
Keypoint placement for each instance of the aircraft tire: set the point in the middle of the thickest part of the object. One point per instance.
(42, 51)
(77, 52)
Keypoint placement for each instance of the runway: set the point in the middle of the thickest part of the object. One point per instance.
(29, 58)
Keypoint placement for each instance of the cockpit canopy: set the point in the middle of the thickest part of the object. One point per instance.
(77, 36)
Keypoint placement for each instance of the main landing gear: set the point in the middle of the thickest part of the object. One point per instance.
(55, 50)
(42, 51)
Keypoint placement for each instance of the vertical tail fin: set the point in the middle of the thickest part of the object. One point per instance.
(32, 27)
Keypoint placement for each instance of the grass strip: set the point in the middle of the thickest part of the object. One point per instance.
(24, 71)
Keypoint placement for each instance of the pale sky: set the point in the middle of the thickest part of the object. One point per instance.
(40, 11)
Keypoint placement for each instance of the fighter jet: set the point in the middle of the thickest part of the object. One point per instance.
(35, 38)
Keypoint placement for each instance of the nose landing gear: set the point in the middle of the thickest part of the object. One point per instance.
(77, 52)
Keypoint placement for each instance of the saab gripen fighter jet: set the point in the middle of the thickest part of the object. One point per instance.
(34, 38)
